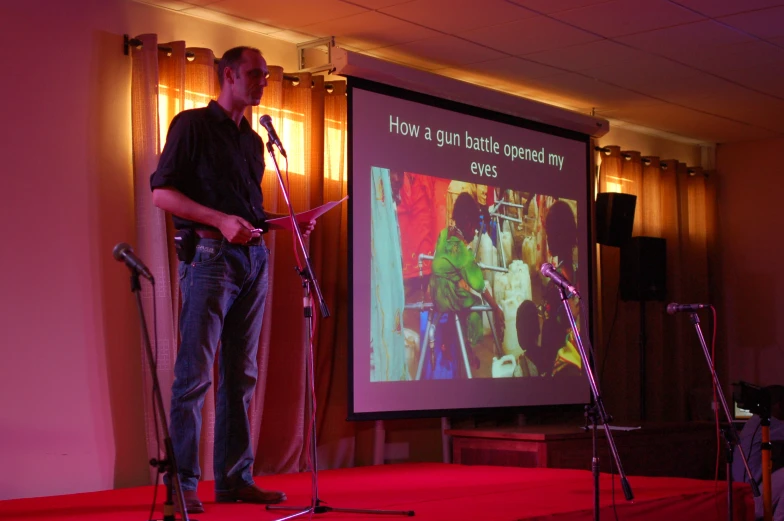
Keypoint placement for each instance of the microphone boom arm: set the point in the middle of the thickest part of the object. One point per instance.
(723, 401)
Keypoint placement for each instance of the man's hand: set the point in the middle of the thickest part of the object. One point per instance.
(236, 229)
(306, 227)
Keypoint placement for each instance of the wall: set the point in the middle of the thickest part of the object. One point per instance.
(750, 318)
(71, 418)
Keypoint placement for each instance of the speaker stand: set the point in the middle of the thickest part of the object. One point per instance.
(643, 340)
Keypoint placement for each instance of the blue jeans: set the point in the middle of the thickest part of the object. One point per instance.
(223, 291)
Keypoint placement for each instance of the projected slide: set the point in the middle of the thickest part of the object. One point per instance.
(452, 216)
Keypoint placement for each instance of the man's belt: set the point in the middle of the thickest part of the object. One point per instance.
(212, 234)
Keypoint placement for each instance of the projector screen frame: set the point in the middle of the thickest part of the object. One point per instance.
(589, 260)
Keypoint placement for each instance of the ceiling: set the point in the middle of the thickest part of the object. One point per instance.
(703, 71)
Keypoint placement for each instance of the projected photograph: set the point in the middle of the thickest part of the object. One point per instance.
(453, 210)
(455, 282)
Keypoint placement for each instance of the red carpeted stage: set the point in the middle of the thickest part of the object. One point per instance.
(436, 492)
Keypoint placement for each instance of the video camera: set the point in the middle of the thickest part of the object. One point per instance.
(752, 398)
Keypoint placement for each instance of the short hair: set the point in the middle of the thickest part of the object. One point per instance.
(561, 230)
(527, 323)
(233, 59)
(465, 213)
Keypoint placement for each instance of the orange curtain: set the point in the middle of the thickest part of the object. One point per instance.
(310, 117)
(618, 349)
(647, 356)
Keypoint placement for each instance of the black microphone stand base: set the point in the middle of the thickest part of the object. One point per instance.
(596, 415)
(321, 508)
(592, 422)
(309, 281)
(317, 506)
(729, 446)
(169, 510)
(169, 463)
(730, 432)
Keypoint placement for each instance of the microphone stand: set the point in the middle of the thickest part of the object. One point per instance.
(596, 412)
(169, 464)
(728, 446)
(731, 432)
(308, 280)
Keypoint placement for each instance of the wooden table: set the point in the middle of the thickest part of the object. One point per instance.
(685, 450)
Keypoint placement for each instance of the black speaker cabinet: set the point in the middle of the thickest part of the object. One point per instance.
(644, 269)
(614, 218)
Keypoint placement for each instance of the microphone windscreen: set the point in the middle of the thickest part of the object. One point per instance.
(120, 250)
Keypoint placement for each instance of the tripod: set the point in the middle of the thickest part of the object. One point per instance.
(308, 279)
(767, 492)
(731, 432)
(595, 413)
(169, 464)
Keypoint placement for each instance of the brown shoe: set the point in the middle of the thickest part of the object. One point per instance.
(192, 503)
(250, 494)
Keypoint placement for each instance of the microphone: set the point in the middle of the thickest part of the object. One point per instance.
(549, 271)
(266, 122)
(673, 308)
(124, 253)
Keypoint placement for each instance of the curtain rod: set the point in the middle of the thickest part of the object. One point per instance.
(646, 161)
(137, 44)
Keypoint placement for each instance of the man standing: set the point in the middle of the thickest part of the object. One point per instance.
(209, 179)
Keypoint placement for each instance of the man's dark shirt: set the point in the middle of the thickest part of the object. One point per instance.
(214, 163)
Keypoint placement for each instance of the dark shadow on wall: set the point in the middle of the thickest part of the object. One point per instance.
(112, 216)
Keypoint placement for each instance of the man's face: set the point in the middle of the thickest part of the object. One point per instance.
(251, 78)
